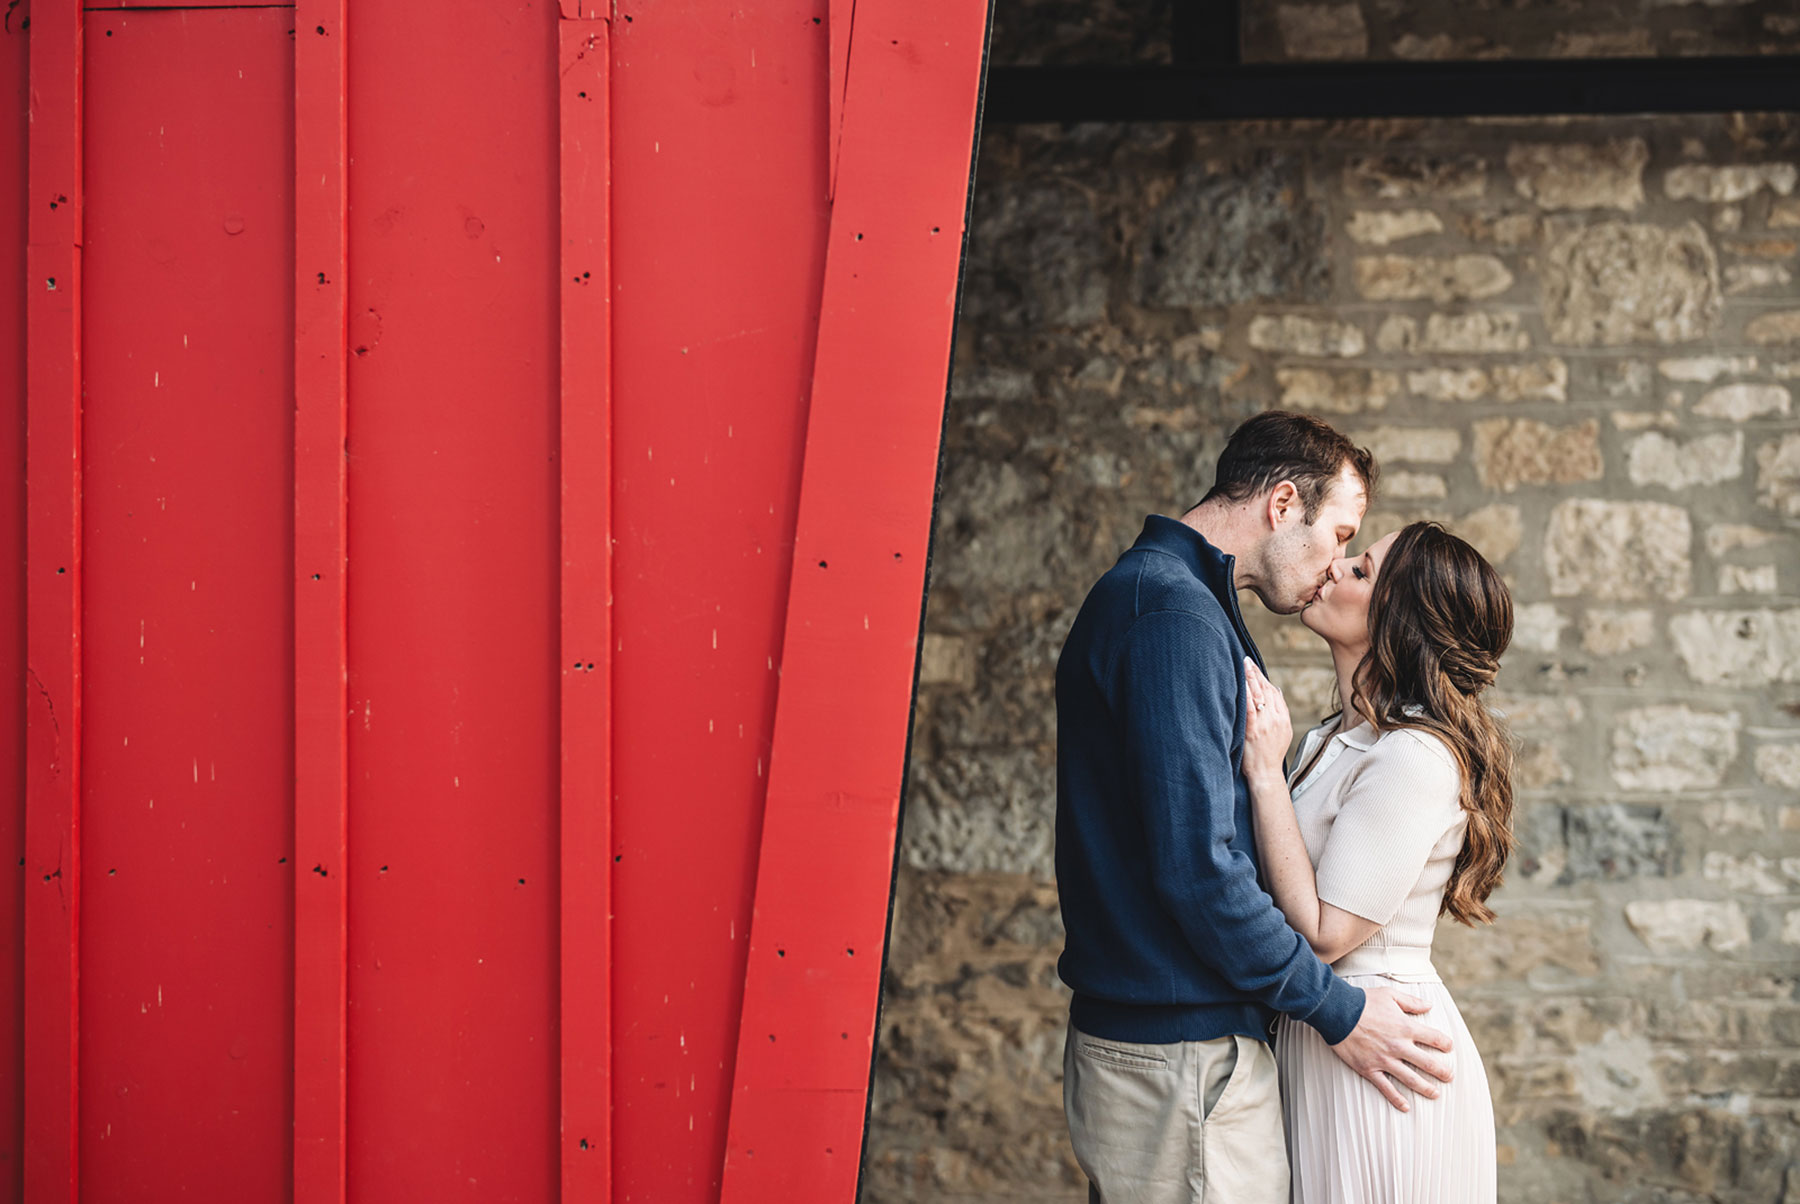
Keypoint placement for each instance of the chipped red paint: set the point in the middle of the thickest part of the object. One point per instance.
(411, 620)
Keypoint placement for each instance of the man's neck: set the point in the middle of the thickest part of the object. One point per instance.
(1231, 528)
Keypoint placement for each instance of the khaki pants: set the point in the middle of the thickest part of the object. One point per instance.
(1197, 1122)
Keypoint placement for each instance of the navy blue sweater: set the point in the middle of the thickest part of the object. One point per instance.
(1170, 935)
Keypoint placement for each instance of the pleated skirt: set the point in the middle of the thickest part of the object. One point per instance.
(1348, 1145)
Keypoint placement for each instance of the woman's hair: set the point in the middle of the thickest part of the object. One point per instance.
(1439, 618)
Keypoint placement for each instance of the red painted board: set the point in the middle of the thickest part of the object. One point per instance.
(453, 601)
(186, 611)
(14, 105)
(718, 226)
(827, 848)
(585, 463)
(843, 17)
(53, 567)
(320, 286)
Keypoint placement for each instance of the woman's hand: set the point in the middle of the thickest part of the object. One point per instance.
(1269, 729)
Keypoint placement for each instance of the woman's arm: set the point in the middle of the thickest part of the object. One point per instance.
(1331, 931)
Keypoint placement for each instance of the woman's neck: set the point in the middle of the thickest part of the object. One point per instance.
(1346, 659)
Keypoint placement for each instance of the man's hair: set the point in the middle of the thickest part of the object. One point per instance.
(1277, 446)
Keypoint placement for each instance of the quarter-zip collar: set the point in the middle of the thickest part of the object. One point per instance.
(1215, 569)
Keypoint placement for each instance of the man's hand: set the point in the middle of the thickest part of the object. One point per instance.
(1387, 1044)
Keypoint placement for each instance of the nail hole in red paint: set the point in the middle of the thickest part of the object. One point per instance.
(849, 953)
(781, 953)
(822, 565)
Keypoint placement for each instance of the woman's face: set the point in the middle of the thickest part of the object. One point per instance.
(1341, 611)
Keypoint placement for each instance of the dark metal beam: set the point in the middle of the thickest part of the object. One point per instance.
(1503, 88)
(1204, 32)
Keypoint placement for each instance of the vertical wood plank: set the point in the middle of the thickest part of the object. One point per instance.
(825, 868)
(321, 761)
(53, 604)
(585, 463)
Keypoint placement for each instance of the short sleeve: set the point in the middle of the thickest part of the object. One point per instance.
(1394, 808)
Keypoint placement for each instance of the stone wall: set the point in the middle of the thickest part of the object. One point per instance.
(1575, 342)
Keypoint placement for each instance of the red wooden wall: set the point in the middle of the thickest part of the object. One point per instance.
(465, 546)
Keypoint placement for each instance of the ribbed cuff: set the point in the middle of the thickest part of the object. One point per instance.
(1338, 1013)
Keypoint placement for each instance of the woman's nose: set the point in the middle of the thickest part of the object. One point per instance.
(1336, 571)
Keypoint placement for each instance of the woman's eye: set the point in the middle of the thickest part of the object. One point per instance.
(1356, 571)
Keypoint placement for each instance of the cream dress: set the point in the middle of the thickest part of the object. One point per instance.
(1383, 825)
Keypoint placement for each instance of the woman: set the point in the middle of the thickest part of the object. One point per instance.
(1401, 808)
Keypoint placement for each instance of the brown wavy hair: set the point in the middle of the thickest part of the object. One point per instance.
(1439, 619)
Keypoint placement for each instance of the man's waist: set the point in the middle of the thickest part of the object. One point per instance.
(1165, 1023)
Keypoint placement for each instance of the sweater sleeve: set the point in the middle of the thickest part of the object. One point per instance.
(1178, 687)
(1404, 796)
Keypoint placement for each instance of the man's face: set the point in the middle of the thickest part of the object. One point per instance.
(1298, 557)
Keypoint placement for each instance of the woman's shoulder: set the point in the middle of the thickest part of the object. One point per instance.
(1418, 750)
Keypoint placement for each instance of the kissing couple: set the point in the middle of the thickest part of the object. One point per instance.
(1256, 1018)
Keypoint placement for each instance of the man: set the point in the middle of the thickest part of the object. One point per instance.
(1178, 959)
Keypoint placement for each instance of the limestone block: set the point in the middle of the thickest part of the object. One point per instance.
(1299, 335)
(1406, 175)
(1607, 175)
(1513, 452)
(1778, 476)
(1478, 331)
(1725, 538)
(1322, 31)
(1348, 391)
(1683, 925)
(1537, 380)
(1617, 840)
(1782, 326)
(946, 660)
(1520, 946)
(1449, 384)
(1739, 647)
(1619, 551)
(1038, 256)
(1234, 235)
(1784, 215)
(983, 809)
(1415, 444)
(1730, 815)
(1614, 283)
(1704, 369)
(1539, 766)
(1538, 626)
(1414, 486)
(1610, 632)
(1495, 531)
(1742, 402)
(1500, 229)
(1436, 278)
(1524, 711)
(1382, 227)
(1748, 579)
(1722, 184)
(1673, 748)
(1779, 765)
(1397, 332)
(1751, 874)
(1741, 278)
(1656, 459)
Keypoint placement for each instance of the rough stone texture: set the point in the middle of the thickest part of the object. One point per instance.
(1730, 182)
(1607, 175)
(1738, 647)
(1323, 31)
(1742, 402)
(1406, 278)
(1510, 452)
(1619, 551)
(1380, 227)
(1656, 459)
(1783, 327)
(1778, 476)
(1616, 283)
(1683, 925)
(1300, 335)
(1669, 748)
(1109, 340)
(1222, 238)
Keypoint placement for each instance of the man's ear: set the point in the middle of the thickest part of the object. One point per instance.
(1284, 503)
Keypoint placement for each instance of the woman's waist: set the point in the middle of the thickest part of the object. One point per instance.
(1408, 963)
